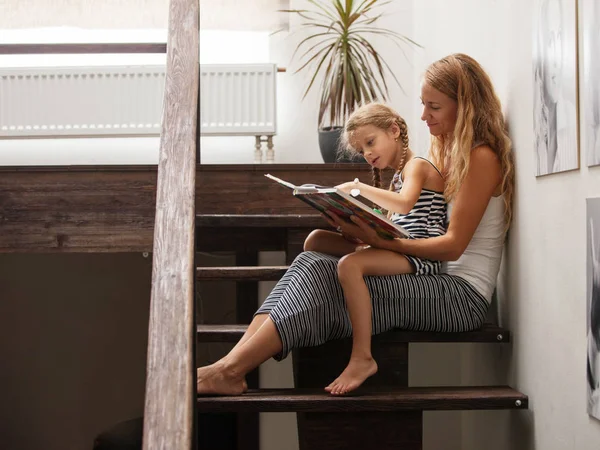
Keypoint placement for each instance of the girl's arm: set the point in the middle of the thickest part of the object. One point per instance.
(469, 205)
(414, 178)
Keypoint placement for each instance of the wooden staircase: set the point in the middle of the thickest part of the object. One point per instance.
(385, 413)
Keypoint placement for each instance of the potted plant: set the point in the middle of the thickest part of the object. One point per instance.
(353, 71)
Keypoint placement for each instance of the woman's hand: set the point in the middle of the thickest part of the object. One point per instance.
(358, 229)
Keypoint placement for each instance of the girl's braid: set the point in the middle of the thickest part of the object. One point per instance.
(376, 177)
(404, 140)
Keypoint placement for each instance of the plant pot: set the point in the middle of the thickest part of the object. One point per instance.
(330, 146)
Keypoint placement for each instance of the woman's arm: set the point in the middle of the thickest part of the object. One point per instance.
(415, 176)
(469, 205)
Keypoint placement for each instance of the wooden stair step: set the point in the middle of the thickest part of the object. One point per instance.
(261, 220)
(243, 273)
(488, 333)
(444, 398)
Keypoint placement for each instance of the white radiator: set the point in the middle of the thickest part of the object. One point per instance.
(81, 101)
(235, 100)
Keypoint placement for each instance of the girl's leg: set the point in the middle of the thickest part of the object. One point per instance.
(328, 242)
(351, 270)
(227, 376)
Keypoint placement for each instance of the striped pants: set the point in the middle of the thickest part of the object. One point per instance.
(308, 308)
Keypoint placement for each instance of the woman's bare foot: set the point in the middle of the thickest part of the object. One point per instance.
(355, 373)
(217, 380)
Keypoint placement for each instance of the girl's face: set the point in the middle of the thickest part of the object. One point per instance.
(378, 146)
(439, 111)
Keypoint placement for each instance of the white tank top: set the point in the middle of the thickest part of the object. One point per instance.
(480, 262)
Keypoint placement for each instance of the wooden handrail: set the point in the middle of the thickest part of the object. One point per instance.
(170, 390)
(55, 49)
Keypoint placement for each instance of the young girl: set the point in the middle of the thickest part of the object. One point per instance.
(414, 200)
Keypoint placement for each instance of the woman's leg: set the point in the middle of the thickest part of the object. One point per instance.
(351, 270)
(307, 307)
(256, 323)
(329, 242)
(227, 376)
(206, 375)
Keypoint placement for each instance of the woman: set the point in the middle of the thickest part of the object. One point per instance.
(471, 148)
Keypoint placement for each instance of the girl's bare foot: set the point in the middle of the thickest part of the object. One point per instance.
(217, 380)
(355, 373)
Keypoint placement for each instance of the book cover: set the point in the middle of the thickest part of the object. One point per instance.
(330, 199)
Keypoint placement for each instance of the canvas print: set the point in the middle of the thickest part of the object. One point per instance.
(555, 86)
(593, 306)
(590, 91)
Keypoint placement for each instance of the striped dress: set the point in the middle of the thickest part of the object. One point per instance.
(426, 219)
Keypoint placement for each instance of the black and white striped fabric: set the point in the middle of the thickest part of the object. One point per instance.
(308, 308)
(426, 219)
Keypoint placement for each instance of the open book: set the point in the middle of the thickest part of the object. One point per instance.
(333, 200)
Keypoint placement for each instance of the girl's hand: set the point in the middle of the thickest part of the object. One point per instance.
(358, 229)
(347, 187)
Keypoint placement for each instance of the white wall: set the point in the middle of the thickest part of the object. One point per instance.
(542, 288)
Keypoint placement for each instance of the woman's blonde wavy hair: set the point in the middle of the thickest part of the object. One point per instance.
(479, 122)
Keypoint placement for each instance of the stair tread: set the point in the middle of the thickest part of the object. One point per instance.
(443, 398)
(261, 220)
(487, 333)
(241, 273)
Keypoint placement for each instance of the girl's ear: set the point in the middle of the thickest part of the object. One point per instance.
(395, 130)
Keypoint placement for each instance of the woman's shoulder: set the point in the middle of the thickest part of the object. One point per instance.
(484, 154)
(486, 162)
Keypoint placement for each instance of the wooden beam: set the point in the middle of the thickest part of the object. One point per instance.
(488, 333)
(55, 49)
(170, 371)
(111, 208)
(438, 398)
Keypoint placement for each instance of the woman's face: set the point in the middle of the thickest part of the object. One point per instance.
(439, 110)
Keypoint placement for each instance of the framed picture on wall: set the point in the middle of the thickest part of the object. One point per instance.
(593, 306)
(555, 117)
(590, 89)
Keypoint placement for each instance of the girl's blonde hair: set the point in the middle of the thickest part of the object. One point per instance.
(479, 122)
(383, 117)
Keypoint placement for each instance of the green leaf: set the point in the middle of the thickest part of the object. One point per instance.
(337, 49)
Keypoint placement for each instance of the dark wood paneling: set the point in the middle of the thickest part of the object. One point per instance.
(294, 243)
(232, 239)
(111, 209)
(245, 189)
(259, 273)
(487, 334)
(47, 49)
(438, 398)
(246, 304)
(262, 220)
(316, 367)
(389, 430)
